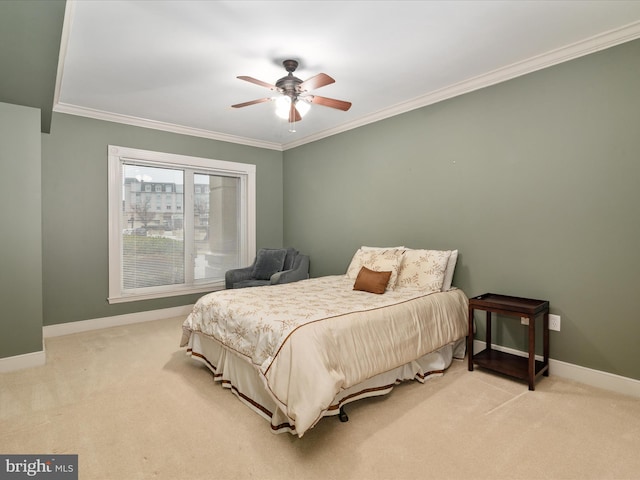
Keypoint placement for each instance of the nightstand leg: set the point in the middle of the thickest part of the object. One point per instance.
(532, 352)
(488, 327)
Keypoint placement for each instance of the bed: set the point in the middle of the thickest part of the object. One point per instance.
(297, 352)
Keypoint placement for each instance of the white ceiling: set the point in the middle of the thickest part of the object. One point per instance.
(172, 65)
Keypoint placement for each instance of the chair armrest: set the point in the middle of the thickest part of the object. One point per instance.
(237, 275)
(300, 271)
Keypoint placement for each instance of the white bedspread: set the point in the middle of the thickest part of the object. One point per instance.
(309, 340)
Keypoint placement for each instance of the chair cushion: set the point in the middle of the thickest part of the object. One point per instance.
(290, 258)
(268, 262)
(250, 283)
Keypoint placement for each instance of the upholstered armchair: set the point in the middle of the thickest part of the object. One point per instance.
(270, 267)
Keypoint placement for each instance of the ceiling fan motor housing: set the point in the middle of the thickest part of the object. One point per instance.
(289, 84)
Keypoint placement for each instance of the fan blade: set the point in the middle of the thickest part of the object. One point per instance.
(317, 81)
(294, 114)
(331, 102)
(252, 102)
(258, 82)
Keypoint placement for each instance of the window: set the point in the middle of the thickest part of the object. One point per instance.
(158, 254)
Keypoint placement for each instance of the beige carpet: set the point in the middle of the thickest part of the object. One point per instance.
(133, 406)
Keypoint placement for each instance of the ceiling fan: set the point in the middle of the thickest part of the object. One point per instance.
(296, 99)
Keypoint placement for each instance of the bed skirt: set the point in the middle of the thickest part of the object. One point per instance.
(237, 374)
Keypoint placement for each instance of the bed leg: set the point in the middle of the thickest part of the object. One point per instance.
(343, 415)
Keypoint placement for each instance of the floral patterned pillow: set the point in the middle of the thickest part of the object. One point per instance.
(423, 269)
(378, 261)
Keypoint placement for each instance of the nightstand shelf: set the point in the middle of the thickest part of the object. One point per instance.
(506, 363)
(526, 368)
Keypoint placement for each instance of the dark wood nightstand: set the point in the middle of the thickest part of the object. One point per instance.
(513, 365)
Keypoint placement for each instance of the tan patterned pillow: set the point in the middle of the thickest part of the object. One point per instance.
(401, 247)
(423, 269)
(378, 261)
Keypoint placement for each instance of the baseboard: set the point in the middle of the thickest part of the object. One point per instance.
(588, 376)
(595, 378)
(20, 362)
(37, 359)
(60, 329)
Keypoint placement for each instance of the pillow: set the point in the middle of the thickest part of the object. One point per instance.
(423, 269)
(448, 273)
(378, 261)
(371, 281)
(268, 262)
(356, 260)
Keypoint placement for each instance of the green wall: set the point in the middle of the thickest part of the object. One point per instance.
(20, 231)
(30, 34)
(534, 180)
(75, 213)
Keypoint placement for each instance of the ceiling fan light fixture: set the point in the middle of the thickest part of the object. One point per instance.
(283, 104)
(303, 107)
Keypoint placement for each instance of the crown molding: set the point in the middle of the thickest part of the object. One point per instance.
(69, 11)
(575, 50)
(554, 57)
(167, 127)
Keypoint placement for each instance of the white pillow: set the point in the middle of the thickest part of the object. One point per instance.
(378, 260)
(423, 269)
(448, 273)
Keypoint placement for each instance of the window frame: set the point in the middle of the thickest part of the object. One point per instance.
(116, 157)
